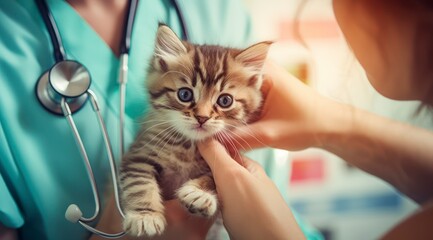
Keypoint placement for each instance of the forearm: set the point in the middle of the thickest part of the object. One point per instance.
(396, 152)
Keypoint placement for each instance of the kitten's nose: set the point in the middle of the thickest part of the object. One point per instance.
(201, 119)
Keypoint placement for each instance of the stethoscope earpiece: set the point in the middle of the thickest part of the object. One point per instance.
(66, 79)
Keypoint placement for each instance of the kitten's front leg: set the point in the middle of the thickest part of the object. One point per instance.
(199, 196)
(141, 197)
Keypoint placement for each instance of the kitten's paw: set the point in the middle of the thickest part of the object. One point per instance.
(198, 201)
(149, 223)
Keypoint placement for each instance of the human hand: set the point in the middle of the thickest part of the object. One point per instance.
(251, 205)
(180, 223)
(293, 115)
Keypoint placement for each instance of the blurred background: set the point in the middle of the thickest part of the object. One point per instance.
(336, 198)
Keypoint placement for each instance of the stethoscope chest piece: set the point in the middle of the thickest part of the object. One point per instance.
(66, 79)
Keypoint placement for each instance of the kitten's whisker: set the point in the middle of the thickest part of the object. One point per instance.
(144, 145)
(249, 132)
(156, 120)
(237, 152)
(221, 138)
(178, 135)
(160, 145)
(196, 134)
(151, 119)
(169, 131)
(237, 135)
(152, 124)
(226, 136)
(159, 120)
(148, 115)
(167, 106)
(151, 127)
(165, 140)
(163, 131)
(171, 135)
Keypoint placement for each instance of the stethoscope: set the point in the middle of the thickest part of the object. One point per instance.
(65, 88)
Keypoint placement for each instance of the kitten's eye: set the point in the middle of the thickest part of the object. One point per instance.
(225, 100)
(185, 94)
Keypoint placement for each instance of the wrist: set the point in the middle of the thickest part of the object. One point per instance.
(335, 125)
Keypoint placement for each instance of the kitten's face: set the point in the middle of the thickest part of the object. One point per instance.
(204, 90)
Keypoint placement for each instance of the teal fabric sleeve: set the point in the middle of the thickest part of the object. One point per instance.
(10, 215)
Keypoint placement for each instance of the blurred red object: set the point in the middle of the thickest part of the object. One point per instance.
(307, 169)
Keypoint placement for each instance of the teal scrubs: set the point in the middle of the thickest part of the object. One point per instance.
(41, 171)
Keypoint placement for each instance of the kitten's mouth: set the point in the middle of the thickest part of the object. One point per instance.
(199, 128)
(198, 131)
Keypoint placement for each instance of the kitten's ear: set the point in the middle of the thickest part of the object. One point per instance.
(255, 55)
(167, 43)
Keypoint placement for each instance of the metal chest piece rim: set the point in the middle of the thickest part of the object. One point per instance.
(67, 79)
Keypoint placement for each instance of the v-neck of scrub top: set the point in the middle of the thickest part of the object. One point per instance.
(95, 54)
(72, 27)
(91, 51)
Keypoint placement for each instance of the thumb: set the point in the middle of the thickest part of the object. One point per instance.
(220, 161)
(216, 155)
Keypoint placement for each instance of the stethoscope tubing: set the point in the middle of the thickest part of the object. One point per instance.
(125, 44)
(56, 40)
(185, 32)
(102, 234)
(110, 155)
(68, 115)
(78, 140)
(123, 79)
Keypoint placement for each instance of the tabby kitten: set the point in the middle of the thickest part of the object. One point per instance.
(196, 92)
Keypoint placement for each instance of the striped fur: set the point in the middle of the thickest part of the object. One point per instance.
(164, 163)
